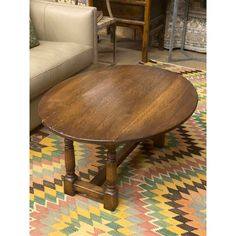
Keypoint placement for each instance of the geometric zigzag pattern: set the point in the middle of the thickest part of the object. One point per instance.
(161, 191)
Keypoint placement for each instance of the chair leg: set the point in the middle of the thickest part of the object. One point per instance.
(113, 39)
(146, 31)
(145, 48)
(108, 30)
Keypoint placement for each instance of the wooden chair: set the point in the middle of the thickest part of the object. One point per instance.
(145, 15)
(106, 22)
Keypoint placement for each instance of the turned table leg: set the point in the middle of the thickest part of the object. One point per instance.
(111, 191)
(70, 168)
(159, 140)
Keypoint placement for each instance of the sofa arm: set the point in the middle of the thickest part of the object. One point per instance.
(65, 23)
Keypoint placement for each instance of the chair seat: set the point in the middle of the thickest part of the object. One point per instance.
(105, 21)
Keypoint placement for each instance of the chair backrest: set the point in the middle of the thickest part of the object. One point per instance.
(109, 8)
(81, 2)
(84, 2)
(145, 4)
(90, 3)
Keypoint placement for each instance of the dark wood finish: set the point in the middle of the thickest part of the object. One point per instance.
(111, 191)
(118, 104)
(113, 106)
(120, 156)
(90, 2)
(159, 140)
(90, 189)
(146, 29)
(147, 16)
(70, 176)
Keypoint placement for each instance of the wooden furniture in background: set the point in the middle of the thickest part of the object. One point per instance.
(120, 105)
(105, 22)
(191, 15)
(148, 16)
(183, 33)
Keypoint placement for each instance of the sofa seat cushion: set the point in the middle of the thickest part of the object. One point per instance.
(52, 62)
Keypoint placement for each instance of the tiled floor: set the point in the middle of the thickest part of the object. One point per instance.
(129, 52)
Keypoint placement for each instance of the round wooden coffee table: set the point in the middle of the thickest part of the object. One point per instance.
(113, 106)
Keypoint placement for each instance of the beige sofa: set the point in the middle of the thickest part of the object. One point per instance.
(68, 44)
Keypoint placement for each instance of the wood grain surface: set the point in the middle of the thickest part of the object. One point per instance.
(118, 104)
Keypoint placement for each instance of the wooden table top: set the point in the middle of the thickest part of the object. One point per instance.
(118, 104)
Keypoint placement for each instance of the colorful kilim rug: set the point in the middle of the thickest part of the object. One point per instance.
(161, 191)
